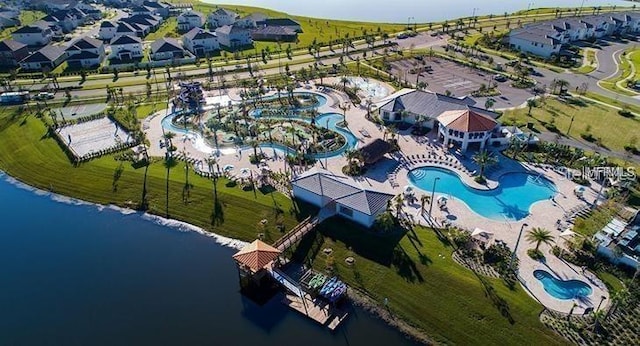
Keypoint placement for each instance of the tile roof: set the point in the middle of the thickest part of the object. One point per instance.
(9, 45)
(199, 34)
(125, 39)
(339, 189)
(425, 103)
(165, 44)
(256, 255)
(467, 121)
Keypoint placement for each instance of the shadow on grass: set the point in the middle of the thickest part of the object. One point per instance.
(217, 213)
(117, 174)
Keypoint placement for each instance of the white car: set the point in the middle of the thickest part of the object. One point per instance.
(44, 96)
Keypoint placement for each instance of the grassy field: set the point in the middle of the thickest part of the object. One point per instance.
(614, 130)
(29, 154)
(26, 18)
(167, 29)
(425, 286)
(589, 64)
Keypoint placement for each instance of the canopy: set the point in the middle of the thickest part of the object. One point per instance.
(482, 235)
(256, 255)
(245, 172)
(408, 190)
(442, 200)
(227, 167)
(579, 188)
(567, 234)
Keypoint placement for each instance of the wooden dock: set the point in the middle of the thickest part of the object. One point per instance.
(319, 312)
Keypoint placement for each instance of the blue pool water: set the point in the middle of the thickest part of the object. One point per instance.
(562, 289)
(511, 200)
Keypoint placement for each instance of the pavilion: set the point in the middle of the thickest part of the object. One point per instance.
(465, 127)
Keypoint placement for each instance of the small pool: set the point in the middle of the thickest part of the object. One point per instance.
(511, 200)
(562, 289)
(371, 88)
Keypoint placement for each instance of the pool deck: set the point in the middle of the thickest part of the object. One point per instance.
(390, 175)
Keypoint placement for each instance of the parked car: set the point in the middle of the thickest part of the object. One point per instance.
(402, 36)
(500, 78)
(44, 96)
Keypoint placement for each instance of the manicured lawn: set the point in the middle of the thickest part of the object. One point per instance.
(27, 153)
(589, 64)
(167, 29)
(424, 286)
(614, 130)
(632, 57)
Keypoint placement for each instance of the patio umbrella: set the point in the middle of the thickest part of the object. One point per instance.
(408, 190)
(442, 200)
(227, 168)
(245, 172)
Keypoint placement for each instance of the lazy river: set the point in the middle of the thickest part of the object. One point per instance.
(511, 200)
(326, 120)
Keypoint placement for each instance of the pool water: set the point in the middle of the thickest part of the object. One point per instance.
(562, 289)
(371, 88)
(511, 200)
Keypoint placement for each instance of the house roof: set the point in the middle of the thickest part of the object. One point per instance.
(224, 12)
(467, 121)
(256, 255)
(125, 39)
(200, 34)
(190, 13)
(165, 44)
(87, 43)
(155, 4)
(425, 103)
(33, 28)
(125, 27)
(107, 24)
(9, 45)
(343, 191)
(85, 54)
(256, 17)
(45, 54)
(275, 30)
(375, 150)
(230, 29)
(281, 22)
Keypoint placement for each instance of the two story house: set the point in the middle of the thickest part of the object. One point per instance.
(201, 42)
(126, 47)
(48, 57)
(166, 48)
(12, 52)
(221, 17)
(36, 34)
(86, 52)
(190, 19)
(233, 36)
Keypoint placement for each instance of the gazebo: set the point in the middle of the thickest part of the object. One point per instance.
(254, 262)
(465, 127)
(256, 256)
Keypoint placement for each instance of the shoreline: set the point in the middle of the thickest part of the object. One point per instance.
(358, 298)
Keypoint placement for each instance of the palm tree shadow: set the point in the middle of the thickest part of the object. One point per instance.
(144, 203)
(405, 266)
(217, 214)
(168, 163)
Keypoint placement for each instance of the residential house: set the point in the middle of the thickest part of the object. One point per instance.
(136, 29)
(86, 52)
(619, 241)
(67, 20)
(284, 22)
(12, 52)
(546, 38)
(90, 11)
(190, 19)
(9, 17)
(233, 36)
(337, 195)
(108, 30)
(149, 20)
(201, 42)
(166, 48)
(36, 34)
(126, 47)
(221, 17)
(48, 57)
(252, 21)
(138, 10)
(161, 8)
(274, 33)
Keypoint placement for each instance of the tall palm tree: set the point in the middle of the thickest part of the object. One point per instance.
(399, 202)
(598, 316)
(169, 136)
(530, 104)
(538, 236)
(344, 80)
(489, 103)
(424, 199)
(484, 159)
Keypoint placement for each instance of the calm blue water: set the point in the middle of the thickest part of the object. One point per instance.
(77, 275)
(404, 11)
(511, 200)
(562, 289)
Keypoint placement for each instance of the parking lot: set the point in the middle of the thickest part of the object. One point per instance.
(443, 75)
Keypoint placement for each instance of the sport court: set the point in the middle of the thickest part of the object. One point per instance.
(72, 112)
(93, 136)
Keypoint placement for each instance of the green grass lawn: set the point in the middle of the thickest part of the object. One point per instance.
(426, 287)
(614, 130)
(625, 62)
(169, 28)
(589, 64)
(30, 155)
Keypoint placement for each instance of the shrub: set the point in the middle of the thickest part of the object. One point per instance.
(587, 136)
(535, 254)
(625, 113)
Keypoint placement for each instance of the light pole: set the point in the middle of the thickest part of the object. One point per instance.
(433, 196)
(513, 255)
(602, 298)
(409, 22)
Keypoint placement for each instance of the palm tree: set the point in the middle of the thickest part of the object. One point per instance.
(211, 161)
(539, 235)
(254, 144)
(597, 317)
(618, 298)
(489, 103)
(399, 202)
(530, 104)
(169, 136)
(484, 159)
(344, 80)
(424, 199)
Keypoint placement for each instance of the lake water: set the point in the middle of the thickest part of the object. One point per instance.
(402, 11)
(82, 275)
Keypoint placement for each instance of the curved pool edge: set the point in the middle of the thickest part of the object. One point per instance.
(553, 277)
(455, 172)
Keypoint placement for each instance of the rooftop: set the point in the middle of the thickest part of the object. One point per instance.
(467, 121)
(256, 255)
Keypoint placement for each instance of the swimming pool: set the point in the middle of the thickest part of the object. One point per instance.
(562, 289)
(369, 87)
(511, 200)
